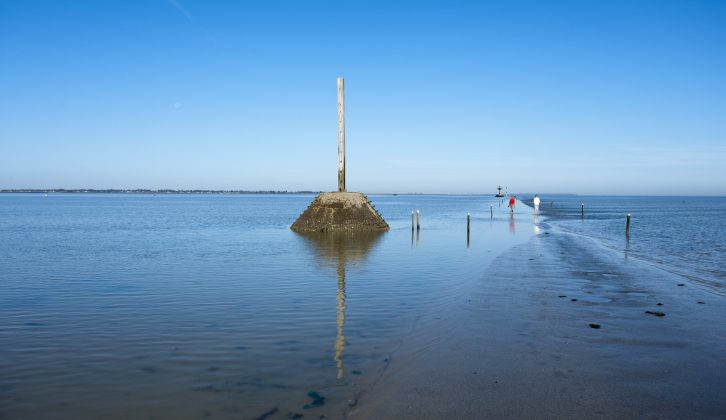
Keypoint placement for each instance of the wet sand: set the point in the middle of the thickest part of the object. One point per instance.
(520, 344)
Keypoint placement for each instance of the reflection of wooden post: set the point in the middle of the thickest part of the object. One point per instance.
(341, 136)
(340, 318)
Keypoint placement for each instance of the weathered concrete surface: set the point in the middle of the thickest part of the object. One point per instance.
(339, 211)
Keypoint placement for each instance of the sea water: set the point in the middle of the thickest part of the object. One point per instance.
(185, 306)
(684, 235)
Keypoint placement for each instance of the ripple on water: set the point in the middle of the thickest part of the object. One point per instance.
(210, 303)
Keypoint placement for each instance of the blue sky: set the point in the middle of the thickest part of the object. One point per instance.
(592, 97)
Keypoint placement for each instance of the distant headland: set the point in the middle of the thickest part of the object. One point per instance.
(147, 191)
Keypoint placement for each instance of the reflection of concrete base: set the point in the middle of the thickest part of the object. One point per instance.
(339, 212)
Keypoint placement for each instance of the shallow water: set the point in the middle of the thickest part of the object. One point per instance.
(684, 235)
(179, 306)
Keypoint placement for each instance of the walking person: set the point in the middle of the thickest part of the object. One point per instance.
(512, 202)
(536, 204)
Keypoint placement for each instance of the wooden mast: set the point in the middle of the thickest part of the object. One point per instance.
(341, 136)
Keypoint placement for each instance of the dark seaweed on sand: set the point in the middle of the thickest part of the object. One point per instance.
(272, 411)
(318, 400)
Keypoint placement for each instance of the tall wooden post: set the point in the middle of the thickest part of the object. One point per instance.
(341, 136)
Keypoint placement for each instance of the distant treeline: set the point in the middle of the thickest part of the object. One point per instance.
(144, 191)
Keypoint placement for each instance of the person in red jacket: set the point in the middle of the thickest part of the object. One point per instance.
(512, 202)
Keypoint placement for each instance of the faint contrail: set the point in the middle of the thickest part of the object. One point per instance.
(181, 8)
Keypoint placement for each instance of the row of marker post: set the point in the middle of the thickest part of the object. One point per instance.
(627, 220)
(468, 219)
(491, 216)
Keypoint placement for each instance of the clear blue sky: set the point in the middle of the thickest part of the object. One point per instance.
(543, 96)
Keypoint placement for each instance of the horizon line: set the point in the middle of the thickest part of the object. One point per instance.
(296, 192)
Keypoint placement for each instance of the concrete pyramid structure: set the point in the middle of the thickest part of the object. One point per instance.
(340, 211)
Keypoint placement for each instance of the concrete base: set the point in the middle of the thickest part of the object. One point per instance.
(339, 212)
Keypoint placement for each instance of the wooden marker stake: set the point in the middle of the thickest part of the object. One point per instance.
(418, 220)
(627, 225)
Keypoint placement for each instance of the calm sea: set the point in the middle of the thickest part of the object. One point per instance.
(181, 306)
(684, 235)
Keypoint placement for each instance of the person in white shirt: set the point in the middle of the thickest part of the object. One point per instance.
(536, 204)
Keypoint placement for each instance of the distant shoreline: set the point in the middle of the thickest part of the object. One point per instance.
(527, 199)
(171, 191)
(144, 191)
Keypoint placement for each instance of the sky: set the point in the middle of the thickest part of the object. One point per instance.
(585, 97)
